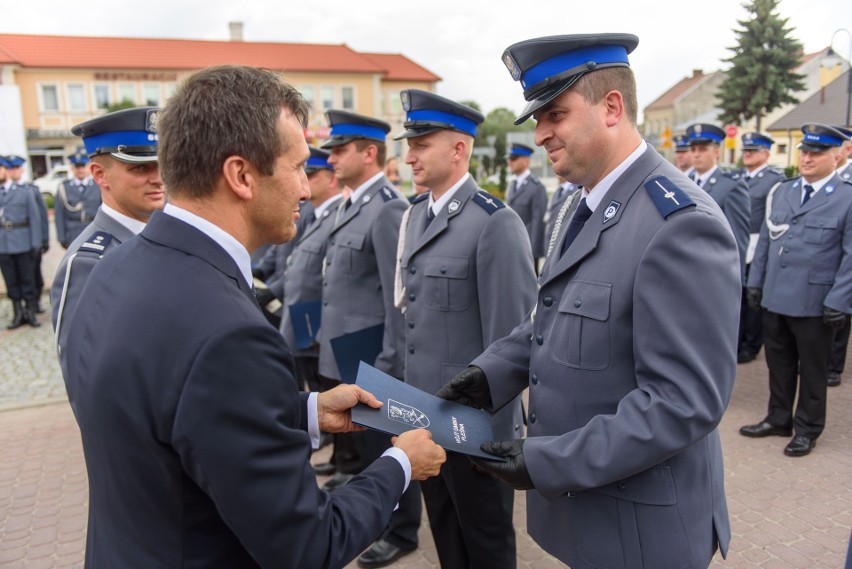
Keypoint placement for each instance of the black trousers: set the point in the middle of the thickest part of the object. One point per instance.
(751, 327)
(38, 277)
(470, 514)
(797, 350)
(19, 276)
(837, 359)
(307, 374)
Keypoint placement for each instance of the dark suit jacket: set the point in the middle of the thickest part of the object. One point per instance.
(192, 425)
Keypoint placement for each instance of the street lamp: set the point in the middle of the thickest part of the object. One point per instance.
(833, 58)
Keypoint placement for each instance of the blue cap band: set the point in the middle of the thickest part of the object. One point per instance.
(822, 139)
(705, 135)
(599, 54)
(453, 121)
(758, 142)
(317, 162)
(518, 151)
(358, 130)
(120, 138)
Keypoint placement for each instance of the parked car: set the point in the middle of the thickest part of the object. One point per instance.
(49, 183)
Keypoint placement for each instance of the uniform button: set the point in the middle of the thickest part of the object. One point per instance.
(539, 339)
(325, 304)
(324, 283)
(412, 270)
(795, 221)
(411, 297)
(789, 237)
(331, 242)
(410, 349)
(443, 270)
(532, 417)
(534, 379)
(621, 486)
(548, 300)
(411, 324)
(578, 302)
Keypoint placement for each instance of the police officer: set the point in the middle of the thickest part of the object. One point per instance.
(16, 174)
(683, 157)
(77, 201)
(20, 240)
(123, 150)
(759, 177)
(837, 360)
(527, 196)
(560, 194)
(358, 292)
(727, 189)
(465, 278)
(802, 277)
(630, 357)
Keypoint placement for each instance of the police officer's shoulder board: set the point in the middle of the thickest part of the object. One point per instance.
(420, 198)
(732, 174)
(388, 194)
(667, 196)
(96, 243)
(776, 171)
(487, 202)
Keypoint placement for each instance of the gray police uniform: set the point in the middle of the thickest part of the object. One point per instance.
(846, 173)
(20, 236)
(44, 230)
(76, 206)
(556, 200)
(630, 368)
(358, 284)
(104, 234)
(469, 280)
(802, 265)
(731, 193)
(529, 200)
(758, 190)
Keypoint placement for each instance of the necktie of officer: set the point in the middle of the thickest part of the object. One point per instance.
(430, 215)
(511, 191)
(347, 203)
(699, 182)
(580, 216)
(809, 191)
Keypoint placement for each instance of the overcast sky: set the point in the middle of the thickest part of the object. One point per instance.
(459, 40)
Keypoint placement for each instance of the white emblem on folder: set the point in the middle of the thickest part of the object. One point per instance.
(402, 413)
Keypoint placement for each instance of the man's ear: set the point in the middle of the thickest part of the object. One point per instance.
(98, 174)
(614, 103)
(241, 176)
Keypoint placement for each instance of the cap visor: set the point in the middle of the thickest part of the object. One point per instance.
(134, 159)
(812, 147)
(544, 98)
(412, 133)
(338, 141)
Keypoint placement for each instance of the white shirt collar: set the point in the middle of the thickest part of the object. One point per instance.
(703, 178)
(521, 177)
(225, 240)
(359, 191)
(596, 196)
(133, 225)
(818, 185)
(757, 171)
(437, 206)
(318, 211)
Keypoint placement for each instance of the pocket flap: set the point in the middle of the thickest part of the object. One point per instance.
(351, 240)
(654, 487)
(446, 267)
(310, 246)
(587, 299)
(822, 222)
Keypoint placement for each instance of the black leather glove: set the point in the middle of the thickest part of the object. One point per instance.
(45, 247)
(258, 273)
(513, 471)
(834, 318)
(753, 297)
(264, 296)
(470, 387)
(34, 253)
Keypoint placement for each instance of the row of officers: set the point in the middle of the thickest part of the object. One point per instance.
(25, 229)
(622, 341)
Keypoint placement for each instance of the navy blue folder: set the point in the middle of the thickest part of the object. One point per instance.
(351, 349)
(305, 318)
(455, 427)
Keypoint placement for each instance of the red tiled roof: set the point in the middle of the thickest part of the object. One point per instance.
(142, 53)
(668, 98)
(399, 68)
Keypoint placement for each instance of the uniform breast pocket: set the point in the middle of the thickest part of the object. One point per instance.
(818, 230)
(580, 336)
(309, 257)
(350, 251)
(446, 282)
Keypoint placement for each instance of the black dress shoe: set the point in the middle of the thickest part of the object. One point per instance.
(800, 446)
(381, 553)
(745, 356)
(764, 429)
(336, 481)
(833, 379)
(325, 468)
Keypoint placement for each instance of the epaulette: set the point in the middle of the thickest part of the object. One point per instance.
(388, 194)
(420, 198)
(487, 202)
(96, 243)
(732, 174)
(775, 171)
(667, 196)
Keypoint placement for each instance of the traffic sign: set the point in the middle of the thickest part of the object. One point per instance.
(730, 131)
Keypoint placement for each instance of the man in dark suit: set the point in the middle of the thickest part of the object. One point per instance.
(123, 153)
(801, 277)
(528, 197)
(630, 355)
(465, 278)
(195, 436)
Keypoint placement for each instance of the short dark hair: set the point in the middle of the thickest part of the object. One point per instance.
(595, 85)
(218, 112)
(381, 149)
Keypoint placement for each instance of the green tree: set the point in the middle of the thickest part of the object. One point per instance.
(497, 123)
(762, 75)
(122, 104)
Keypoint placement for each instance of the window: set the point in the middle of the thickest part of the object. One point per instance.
(781, 149)
(151, 94)
(102, 99)
(308, 94)
(76, 97)
(347, 96)
(49, 98)
(127, 92)
(327, 96)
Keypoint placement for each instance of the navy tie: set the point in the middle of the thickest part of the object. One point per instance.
(580, 216)
(809, 191)
(430, 215)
